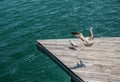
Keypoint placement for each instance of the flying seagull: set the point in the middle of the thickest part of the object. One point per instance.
(88, 41)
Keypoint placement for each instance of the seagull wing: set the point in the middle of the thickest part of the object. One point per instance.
(73, 44)
(76, 33)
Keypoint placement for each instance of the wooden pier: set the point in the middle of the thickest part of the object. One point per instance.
(97, 63)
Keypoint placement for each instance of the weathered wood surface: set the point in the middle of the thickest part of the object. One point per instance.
(99, 62)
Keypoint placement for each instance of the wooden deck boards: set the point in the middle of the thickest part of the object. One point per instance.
(100, 62)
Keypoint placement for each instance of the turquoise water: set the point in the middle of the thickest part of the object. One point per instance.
(22, 22)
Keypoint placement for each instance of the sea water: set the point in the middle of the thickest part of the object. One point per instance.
(22, 22)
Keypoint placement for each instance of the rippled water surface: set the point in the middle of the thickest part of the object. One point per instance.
(22, 22)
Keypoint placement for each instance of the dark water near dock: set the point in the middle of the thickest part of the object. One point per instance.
(22, 22)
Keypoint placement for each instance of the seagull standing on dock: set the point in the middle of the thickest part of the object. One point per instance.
(72, 43)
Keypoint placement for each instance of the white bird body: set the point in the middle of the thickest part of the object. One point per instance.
(72, 43)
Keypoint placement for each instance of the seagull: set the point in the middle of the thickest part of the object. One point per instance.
(88, 41)
(72, 43)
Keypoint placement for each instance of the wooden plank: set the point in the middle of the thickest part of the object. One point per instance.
(97, 63)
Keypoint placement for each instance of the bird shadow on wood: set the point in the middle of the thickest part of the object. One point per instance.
(79, 65)
(72, 48)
